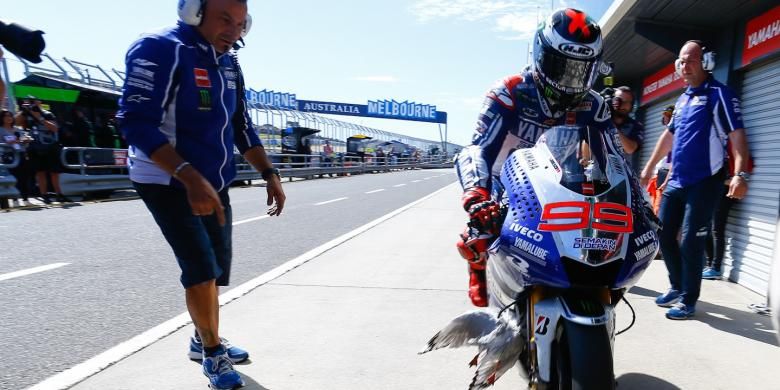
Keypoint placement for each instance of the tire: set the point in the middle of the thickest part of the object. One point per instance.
(582, 358)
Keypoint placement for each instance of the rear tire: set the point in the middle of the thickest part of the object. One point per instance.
(586, 363)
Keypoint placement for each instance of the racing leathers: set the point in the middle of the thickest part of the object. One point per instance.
(514, 116)
(179, 90)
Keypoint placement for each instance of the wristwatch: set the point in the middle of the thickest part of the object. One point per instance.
(744, 175)
(266, 174)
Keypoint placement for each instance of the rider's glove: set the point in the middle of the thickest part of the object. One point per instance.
(473, 196)
(473, 247)
(484, 212)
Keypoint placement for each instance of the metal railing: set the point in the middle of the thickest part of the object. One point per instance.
(91, 170)
(273, 119)
(9, 159)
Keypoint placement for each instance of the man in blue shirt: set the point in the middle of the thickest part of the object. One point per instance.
(183, 109)
(705, 115)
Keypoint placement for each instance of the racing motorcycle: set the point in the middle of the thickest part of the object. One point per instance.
(569, 248)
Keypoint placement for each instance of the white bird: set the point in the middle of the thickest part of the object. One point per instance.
(498, 340)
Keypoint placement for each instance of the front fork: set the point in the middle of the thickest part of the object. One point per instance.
(545, 309)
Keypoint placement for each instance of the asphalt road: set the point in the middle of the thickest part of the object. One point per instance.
(121, 278)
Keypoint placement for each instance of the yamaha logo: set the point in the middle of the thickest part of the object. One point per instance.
(576, 50)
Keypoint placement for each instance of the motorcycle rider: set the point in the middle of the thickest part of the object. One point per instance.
(555, 90)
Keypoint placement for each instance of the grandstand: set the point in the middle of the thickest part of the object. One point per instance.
(66, 83)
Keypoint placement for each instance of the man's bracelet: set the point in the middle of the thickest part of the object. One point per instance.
(179, 168)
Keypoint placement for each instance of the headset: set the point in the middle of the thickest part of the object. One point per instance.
(707, 58)
(191, 12)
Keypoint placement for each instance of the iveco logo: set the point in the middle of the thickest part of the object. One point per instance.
(576, 50)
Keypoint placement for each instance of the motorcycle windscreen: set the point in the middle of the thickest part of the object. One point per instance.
(593, 228)
(580, 152)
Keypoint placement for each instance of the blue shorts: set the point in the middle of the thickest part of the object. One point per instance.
(202, 247)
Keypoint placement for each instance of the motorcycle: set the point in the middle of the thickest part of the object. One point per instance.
(571, 245)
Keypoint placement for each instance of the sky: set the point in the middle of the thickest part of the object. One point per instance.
(446, 53)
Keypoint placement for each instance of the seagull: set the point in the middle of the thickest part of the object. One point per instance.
(498, 340)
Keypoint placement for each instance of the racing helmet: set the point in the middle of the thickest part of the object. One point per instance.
(566, 57)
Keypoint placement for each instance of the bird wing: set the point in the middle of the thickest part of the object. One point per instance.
(500, 352)
(465, 329)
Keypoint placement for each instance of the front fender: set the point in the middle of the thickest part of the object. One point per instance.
(549, 312)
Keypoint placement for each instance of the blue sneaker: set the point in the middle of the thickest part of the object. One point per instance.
(711, 274)
(220, 372)
(668, 299)
(681, 311)
(236, 354)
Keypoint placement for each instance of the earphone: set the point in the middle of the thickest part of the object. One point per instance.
(191, 12)
(707, 58)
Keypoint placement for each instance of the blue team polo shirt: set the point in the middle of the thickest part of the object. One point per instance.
(703, 118)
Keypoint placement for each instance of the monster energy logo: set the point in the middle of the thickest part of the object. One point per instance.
(548, 92)
(205, 100)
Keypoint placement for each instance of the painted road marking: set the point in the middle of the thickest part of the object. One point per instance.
(329, 201)
(31, 271)
(375, 191)
(250, 220)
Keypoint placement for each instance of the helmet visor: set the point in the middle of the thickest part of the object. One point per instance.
(567, 74)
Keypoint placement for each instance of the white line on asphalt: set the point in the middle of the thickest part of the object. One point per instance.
(427, 178)
(82, 371)
(416, 181)
(30, 271)
(400, 185)
(329, 201)
(375, 191)
(250, 220)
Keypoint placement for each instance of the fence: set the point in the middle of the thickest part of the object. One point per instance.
(9, 159)
(92, 171)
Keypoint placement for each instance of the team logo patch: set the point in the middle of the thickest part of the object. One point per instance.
(571, 118)
(481, 127)
(584, 106)
(202, 78)
(530, 112)
(205, 100)
(699, 101)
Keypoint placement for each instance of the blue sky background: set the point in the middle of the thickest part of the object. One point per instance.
(444, 53)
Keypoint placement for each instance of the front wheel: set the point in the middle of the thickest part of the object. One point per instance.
(582, 358)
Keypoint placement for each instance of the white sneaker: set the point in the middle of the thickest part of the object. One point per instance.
(15, 203)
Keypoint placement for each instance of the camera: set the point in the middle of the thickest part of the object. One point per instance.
(22, 41)
(609, 98)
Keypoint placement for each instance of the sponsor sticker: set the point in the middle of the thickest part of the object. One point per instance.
(531, 249)
(530, 159)
(542, 323)
(555, 165)
(601, 244)
(646, 251)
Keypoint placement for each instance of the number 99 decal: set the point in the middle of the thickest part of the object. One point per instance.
(604, 216)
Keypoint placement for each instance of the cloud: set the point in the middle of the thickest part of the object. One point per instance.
(377, 79)
(513, 19)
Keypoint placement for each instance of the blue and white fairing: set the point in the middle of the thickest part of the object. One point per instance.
(569, 222)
